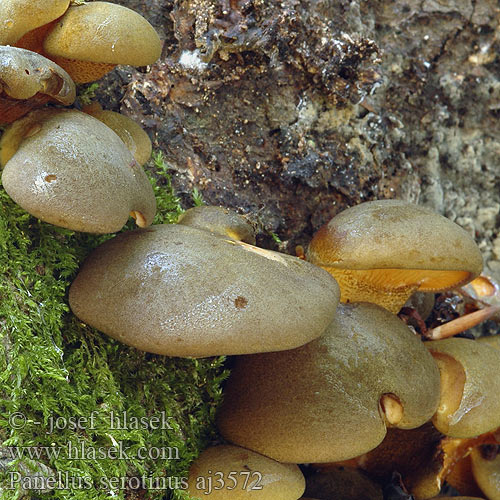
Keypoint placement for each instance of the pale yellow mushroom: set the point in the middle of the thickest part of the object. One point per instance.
(18, 17)
(91, 39)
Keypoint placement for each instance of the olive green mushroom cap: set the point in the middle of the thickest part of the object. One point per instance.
(104, 32)
(181, 291)
(487, 474)
(130, 132)
(17, 17)
(382, 251)
(71, 170)
(246, 475)
(24, 73)
(323, 402)
(492, 340)
(388, 234)
(220, 221)
(470, 402)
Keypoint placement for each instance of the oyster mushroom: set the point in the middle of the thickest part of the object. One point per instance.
(71, 170)
(332, 399)
(220, 221)
(18, 17)
(180, 291)
(134, 137)
(29, 80)
(486, 473)
(91, 39)
(382, 251)
(228, 472)
(470, 385)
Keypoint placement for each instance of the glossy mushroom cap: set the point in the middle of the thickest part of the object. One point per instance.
(382, 251)
(221, 221)
(246, 475)
(134, 137)
(331, 399)
(29, 80)
(181, 291)
(20, 16)
(470, 385)
(71, 170)
(90, 39)
(487, 474)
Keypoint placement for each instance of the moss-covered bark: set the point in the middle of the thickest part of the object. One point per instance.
(60, 380)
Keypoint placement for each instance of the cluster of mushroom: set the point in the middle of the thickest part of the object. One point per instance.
(79, 170)
(314, 381)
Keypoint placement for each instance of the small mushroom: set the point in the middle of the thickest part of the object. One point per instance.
(486, 473)
(470, 385)
(332, 399)
(180, 291)
(91, 39)
(220, 221)
(228, 472)
(29, 80)
(134, 137)
(382, 251)
(71, 170)
(18, 17)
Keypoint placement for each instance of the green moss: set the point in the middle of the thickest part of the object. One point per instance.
(54, 367)
(85, 93)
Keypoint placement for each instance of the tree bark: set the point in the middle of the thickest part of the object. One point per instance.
(291, 111)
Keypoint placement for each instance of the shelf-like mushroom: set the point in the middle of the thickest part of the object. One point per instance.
(382, 251)
(219, 220)
(181, 291)
(486, 472)
(92, 38)
(229, 472)
(69, 169)
(130, 132)
(470, 385)
(18, 17)
(29, 80)
(332, 399)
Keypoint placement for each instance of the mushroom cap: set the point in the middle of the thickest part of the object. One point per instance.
(29, 76)
(130, 132)
(469, 404)
(75, 172)
(395, 235)
(104, 32)
(321, 402)
(20, 16)
(24, 73)
(181, 291)
(487, 474)
(256, 476)
(491, 340)
(220, 221)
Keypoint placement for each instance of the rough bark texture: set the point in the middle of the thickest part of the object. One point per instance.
(291, 111)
